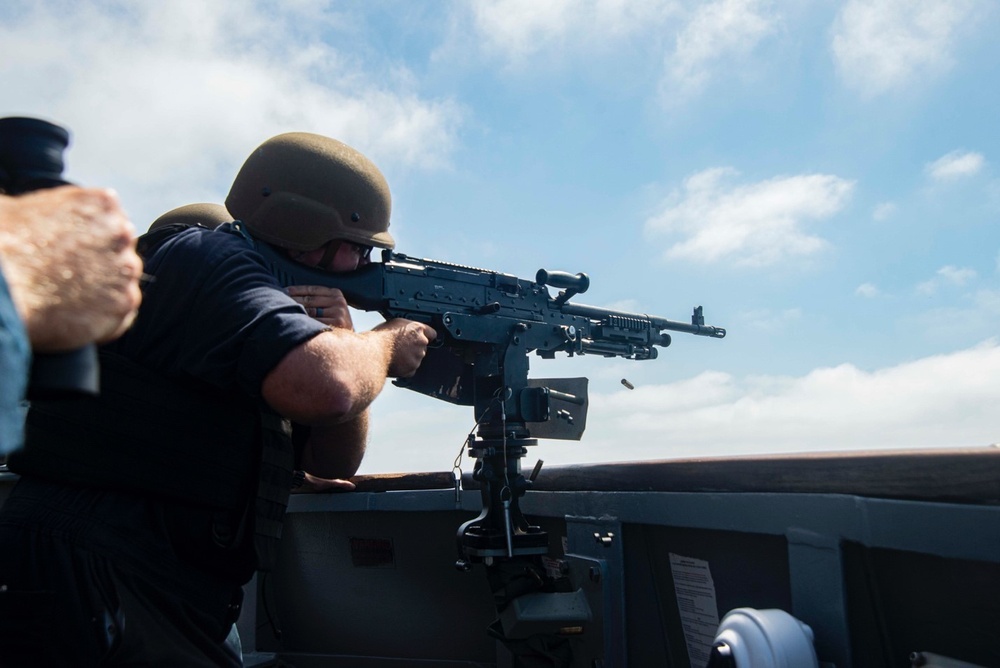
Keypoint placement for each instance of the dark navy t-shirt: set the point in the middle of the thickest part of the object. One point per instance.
(214, 312)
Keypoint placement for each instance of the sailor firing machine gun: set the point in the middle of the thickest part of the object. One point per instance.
(487, 325)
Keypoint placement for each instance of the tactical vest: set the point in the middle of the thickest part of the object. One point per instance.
(183, 443)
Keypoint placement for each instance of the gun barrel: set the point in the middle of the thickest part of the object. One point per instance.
(699, 330)
(597, 313)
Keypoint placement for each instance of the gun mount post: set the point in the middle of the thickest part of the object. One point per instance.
(501, 441)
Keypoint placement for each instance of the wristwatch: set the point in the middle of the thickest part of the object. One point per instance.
(298, 478)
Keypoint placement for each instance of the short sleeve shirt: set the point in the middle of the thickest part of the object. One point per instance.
(213, 311)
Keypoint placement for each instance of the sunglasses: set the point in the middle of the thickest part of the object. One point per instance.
(364, 253)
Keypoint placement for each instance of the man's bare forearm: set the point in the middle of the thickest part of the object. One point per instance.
(334, 376)
(336, 451)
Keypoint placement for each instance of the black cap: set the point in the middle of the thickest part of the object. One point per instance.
(31, 154)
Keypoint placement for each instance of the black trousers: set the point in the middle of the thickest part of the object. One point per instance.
(76, 591)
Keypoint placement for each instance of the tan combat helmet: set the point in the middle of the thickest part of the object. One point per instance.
(204, 214)
(300, 191)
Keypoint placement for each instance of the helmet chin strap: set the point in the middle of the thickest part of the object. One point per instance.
(328, 254)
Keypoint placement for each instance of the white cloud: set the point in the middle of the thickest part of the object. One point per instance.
(519, 30)
(884, 211)
(956, 275)
(880, 45)
(166, 100)
(717, 32)
(955, 165)
(939, 401)
(867, 290)
(754, 224)
(945, 276)
(693, 41)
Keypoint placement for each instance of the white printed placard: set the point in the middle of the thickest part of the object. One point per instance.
(696, 603)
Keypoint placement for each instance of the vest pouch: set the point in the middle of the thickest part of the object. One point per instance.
(277, 461)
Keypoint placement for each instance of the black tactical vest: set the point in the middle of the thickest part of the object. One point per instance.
(177, 441)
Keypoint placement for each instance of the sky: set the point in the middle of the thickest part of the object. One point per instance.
(822, 177)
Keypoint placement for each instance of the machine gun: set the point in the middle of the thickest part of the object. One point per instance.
(487, 324)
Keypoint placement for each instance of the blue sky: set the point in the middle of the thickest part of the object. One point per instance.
(822, 177)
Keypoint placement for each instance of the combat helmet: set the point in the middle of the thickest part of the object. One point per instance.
(300, 190)
(202, 214)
